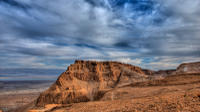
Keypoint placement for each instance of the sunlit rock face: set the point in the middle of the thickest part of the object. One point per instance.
(88, 80)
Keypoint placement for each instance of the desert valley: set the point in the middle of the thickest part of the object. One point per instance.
(92, 86)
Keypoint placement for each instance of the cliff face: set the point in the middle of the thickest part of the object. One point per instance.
(189, 68)
(88, 80)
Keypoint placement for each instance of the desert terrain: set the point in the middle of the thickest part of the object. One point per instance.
(179, 93)
(90, 86)
(14, 94)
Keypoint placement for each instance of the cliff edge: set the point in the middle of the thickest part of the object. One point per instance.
(89, 80)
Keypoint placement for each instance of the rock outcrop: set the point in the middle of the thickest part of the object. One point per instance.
(89, 80)
(189, 68)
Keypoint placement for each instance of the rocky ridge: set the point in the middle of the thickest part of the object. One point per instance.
(188, 68)
(89, 80)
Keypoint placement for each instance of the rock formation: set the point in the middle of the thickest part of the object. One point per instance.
(89, 80)
(189, 68)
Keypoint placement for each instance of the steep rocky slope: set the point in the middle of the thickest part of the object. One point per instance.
(90, 80)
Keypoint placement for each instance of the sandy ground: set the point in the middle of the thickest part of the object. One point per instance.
(12, 101)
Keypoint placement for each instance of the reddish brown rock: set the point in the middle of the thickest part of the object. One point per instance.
(87, 80)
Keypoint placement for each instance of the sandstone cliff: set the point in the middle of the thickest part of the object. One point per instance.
(88, 80)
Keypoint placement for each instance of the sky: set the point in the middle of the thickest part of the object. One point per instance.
(51, 34)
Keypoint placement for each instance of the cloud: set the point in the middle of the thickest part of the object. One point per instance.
(130, 61)
(51, 34)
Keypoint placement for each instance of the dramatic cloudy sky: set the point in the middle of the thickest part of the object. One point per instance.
(155, 34)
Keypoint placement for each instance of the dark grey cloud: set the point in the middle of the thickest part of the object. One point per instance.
(16, 4)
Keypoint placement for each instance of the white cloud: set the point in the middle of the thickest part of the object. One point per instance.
(136, 61)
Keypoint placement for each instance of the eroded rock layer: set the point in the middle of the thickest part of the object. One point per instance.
(89, 80)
